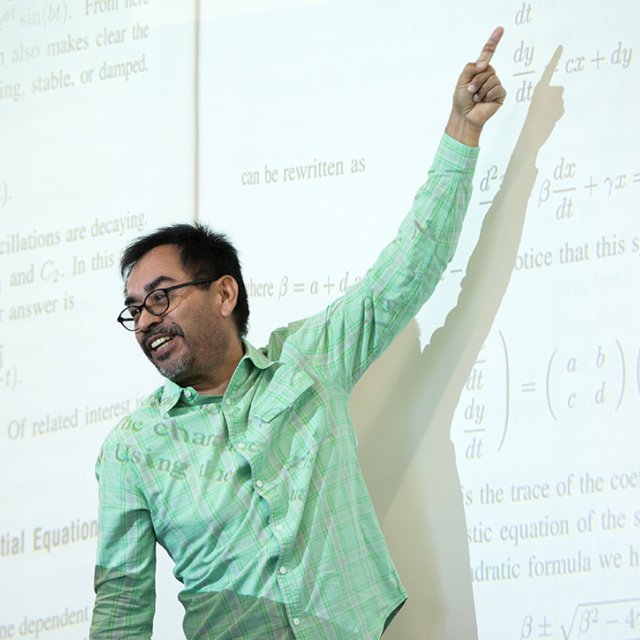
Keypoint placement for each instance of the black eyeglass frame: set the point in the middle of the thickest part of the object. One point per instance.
(130, 324)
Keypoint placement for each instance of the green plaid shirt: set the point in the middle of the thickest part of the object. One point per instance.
(257, 495)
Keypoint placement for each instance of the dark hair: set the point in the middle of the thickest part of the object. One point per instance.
(202, 253)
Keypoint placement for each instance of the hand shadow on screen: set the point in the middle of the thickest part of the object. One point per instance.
(407, 400)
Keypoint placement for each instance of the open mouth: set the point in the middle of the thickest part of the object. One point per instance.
(157, 343)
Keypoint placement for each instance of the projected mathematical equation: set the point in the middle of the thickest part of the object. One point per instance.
(8, 372)
(562, 189)
(329, 285)
(616, 53)
(4, 193)
(590, 377)
(607, 379)
(613, 620)
(45, 14)
(33, 68)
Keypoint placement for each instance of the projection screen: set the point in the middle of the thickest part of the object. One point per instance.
(498, 435)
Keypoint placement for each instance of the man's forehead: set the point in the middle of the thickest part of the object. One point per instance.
(160, 264)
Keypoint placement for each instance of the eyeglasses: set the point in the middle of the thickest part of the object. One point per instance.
(156, 302)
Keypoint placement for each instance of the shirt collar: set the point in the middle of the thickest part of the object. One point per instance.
(170, 393)
(257, 356)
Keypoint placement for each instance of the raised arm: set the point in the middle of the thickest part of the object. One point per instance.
(341, 342)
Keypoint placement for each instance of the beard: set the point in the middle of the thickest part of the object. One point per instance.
(175, 370)
(195, 361)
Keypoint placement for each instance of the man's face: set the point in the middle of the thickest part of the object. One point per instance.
(190, 340)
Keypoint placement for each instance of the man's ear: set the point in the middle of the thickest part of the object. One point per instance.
(226, 295)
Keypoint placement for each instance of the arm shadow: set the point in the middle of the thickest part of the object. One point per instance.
(404, 407)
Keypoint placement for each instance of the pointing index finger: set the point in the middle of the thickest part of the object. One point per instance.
(489, 48)
(550, 69)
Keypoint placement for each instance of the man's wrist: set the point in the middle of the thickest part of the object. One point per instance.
(462, 130)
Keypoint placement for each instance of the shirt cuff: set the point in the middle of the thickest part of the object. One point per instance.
(454, 155)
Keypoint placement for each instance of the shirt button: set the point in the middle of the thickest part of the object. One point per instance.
(259, 484)
(241, 445)
(279, 527)
(283, 570)
(296, 621)
(228, 402)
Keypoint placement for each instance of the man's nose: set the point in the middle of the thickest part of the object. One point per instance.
(147, 320)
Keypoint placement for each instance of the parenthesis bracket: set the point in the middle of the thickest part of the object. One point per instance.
(507, 390)
(12, 378)
(624, 374)
(553, 415)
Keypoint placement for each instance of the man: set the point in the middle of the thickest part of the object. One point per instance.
(244, 464)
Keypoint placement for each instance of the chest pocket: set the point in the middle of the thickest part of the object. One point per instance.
(286, 389)
(286, 418)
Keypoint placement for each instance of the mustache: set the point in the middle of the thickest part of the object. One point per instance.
(164, 331)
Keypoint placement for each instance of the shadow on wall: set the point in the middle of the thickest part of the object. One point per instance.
(416, 397)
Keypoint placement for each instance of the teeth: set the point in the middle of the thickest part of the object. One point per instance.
(159, 342)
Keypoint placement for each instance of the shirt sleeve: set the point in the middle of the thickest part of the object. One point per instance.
(125, 569)
(342, 341)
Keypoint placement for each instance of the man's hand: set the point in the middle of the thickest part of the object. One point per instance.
(478, 95)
